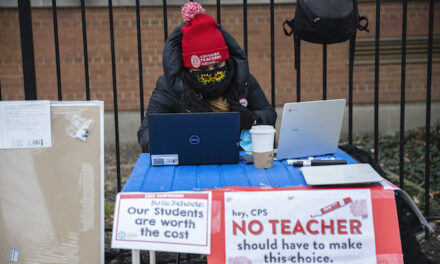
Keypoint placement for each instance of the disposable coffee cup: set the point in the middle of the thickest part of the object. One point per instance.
(262, 144)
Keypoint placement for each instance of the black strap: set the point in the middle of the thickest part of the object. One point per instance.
(296, 39)
(363, 27)
(290, 24)
(296, 44)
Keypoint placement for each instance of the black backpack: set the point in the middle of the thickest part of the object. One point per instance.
(325, 21)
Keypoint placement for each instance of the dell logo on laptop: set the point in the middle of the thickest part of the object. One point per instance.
(194, 139)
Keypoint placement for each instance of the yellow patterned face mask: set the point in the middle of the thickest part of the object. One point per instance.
(210, 77)
(211, 83)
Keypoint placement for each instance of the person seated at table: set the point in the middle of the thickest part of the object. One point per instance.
(205, 70)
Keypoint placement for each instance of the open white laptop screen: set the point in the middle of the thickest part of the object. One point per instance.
(310, 128)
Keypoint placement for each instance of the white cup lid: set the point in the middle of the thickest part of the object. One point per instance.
(262, 129)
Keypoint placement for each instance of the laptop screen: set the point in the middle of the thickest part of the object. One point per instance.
(310, 128)
(194, 138)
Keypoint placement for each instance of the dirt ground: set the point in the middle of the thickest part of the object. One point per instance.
(129, 154)
(431, 247)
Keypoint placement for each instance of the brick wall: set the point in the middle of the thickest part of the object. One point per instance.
(100, 71)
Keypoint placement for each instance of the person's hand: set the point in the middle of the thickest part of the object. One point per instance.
(247, 117)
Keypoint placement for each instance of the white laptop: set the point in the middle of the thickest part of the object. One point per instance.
(310, 128)
(340, 174)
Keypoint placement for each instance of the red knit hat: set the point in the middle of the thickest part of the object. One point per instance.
(202, 43)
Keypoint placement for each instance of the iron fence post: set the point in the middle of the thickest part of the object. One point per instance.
(27, 49)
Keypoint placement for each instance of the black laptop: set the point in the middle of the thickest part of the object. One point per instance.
(194, 138)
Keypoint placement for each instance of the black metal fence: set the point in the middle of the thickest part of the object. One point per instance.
(30, 78)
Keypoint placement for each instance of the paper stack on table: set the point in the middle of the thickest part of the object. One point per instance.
(340, 174)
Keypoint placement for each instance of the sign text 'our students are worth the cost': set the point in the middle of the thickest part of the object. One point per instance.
(163, 221)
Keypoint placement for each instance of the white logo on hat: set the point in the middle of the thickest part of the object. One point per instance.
(243, 102)
(195, 61)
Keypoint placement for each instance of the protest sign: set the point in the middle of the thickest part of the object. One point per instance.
(293, 219)
(178, 222)
(320, 226)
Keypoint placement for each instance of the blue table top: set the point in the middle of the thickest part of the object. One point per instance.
(146, 178)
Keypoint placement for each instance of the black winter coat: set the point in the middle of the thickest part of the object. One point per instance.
(170, 86)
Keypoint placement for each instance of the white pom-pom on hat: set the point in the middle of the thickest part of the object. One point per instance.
(190, 10)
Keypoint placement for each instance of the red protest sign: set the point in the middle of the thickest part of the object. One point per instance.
(304, 225)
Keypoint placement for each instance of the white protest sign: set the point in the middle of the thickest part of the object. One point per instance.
(301, 226)
(25, 124)
(177, 222)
